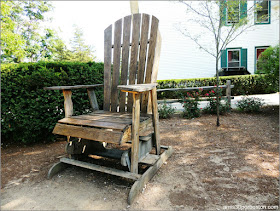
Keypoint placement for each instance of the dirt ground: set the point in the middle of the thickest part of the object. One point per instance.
(234, 165)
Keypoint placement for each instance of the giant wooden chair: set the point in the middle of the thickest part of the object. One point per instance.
(128, 110)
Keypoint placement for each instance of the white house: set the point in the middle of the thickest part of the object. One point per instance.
(181, 57)
(246, 49)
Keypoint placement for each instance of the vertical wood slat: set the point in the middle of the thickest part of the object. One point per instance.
(135, 133)
(107, 67)
(116, 65)
(68, 104)
(125, 55)
(150, 62)
(134, 55)
(92, 99)
(155, 67)
(143, 48)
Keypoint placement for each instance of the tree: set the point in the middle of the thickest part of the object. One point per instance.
(224, 20)
(80, 50)
(22, 36)
(12, 43)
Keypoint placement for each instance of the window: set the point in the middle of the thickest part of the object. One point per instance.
(258, 53)
(262, 14)
(233, 12)
(234, 58)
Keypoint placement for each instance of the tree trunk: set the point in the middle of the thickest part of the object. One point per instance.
(217, 94)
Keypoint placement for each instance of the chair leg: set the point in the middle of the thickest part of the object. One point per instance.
(155, 119)
(135, 133)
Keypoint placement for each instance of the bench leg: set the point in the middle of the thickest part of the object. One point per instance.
(155, 119)
(135, 133)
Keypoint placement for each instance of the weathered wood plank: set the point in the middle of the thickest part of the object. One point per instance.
(92, 123)
(149, 159)
(116, 65)
(148, 175)
(107, 67)
(88, 133)
(155, 120)
(109, 119)
(155, 68)
(68, 104)
(137, 87)
(150, 60)
(143, 48)
(125, 56)
(103, 169)
(134, 55)
(228, 91)
(135, 133)
(92, 99)
(72, 87)
(144, 125)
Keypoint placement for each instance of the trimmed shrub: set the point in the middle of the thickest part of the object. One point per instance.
(190, 105)
(29, 112)
(243, 85)
(165, 111)
(250, 104)
(211, 108)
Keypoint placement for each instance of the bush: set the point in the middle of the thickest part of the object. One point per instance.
(165, 111)
(250, 104)
(268, 63)
(29, 112)
(190, 104)
(211, 108)
(243, 85)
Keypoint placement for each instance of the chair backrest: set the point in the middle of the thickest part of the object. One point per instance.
(131, 56)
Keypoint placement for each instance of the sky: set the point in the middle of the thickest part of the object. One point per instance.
(94, 16)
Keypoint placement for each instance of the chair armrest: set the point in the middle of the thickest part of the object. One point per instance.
(137, 87)
(72, 87)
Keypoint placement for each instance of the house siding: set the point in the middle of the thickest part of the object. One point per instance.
(181, 57)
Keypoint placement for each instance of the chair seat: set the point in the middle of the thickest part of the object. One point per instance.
(103, 126)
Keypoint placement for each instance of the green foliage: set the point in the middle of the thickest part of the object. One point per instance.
(28, 112)
(11, 42)
(190, 105)
(243, 85)
(211, 108)
(250, 104)
(21, 38)
(268, 63)
(165, 111)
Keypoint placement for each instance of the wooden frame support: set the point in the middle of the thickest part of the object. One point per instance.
(228, 92)
(92, 99)
(68, 104)
(140, 180)
(135, 133)
(148, 175)
(155, 119)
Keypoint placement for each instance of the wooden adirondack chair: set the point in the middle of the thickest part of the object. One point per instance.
(128, 110)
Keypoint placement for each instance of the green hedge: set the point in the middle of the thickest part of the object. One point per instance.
(243, 85)
(28, 112)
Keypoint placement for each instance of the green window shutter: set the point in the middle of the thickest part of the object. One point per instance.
(244, 57)
(224, 59)
(223, 11)
(243, 9)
